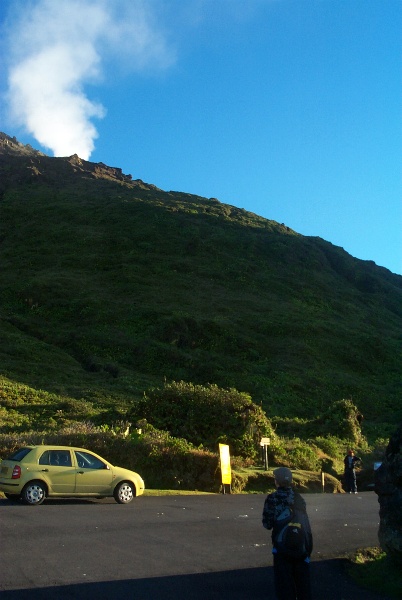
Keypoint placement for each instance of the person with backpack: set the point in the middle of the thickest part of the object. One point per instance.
(292, 541)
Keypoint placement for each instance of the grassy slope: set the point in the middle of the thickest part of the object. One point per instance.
(108, 287)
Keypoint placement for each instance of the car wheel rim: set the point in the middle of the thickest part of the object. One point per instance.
(125, 493)
(34, 494)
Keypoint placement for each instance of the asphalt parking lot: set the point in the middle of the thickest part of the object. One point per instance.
(167, 547)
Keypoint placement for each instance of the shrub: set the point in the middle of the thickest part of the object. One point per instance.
(206, 415)
(290, 426)
(77, 409)
(295, 454)
(330, 445)
(344, 418)
(302, 456)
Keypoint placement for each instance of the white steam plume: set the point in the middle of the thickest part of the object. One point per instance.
(56, 47)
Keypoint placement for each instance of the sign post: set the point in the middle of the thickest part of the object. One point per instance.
(265, 442)
(226, 469)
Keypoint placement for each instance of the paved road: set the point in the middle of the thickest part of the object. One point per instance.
(193, 547)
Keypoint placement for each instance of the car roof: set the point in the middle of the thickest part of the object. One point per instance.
(54, 447)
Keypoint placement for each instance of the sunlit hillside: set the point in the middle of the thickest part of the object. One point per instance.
(109, 286)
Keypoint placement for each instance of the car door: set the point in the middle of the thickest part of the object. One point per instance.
(56, 466)
(93, 475)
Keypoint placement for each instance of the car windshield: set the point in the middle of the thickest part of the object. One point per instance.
(19, 454)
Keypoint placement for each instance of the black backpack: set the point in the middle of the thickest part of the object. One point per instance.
(293, 537)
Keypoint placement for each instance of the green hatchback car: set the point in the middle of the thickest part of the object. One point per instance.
(33, 473)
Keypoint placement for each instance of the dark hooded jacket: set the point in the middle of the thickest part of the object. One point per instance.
(276, 503)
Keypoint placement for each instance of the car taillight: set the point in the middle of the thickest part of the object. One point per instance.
(16, 472)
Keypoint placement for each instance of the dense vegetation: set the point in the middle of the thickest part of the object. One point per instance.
(115, 296)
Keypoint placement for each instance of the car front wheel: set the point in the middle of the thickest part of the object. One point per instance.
(33, 493)
(124, 492)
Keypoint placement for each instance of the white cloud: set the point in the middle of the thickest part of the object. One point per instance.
(56, 48)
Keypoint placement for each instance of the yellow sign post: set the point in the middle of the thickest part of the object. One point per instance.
(226, 469)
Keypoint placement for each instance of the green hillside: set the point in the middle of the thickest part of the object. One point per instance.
(110, 286)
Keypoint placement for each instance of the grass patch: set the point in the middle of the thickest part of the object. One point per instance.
(255, 480)
(372, 569)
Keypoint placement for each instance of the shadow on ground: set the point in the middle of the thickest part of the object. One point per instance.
(330, 581)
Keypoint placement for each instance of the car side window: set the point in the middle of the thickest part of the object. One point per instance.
(45, 459)
(56, 458)
(19, 454)
(85, 460)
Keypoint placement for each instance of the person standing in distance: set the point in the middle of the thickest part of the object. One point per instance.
(291, 574)
(350, 461)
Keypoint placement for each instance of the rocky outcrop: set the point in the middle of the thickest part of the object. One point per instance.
(97, 170)
(388, 486)
(30, 165)
(10, 145)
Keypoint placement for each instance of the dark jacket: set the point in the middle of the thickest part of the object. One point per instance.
(350, 462)
(276, 503)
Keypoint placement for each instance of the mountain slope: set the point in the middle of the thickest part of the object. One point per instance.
(109, 285)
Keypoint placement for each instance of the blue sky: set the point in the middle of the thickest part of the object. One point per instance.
(290, 109)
